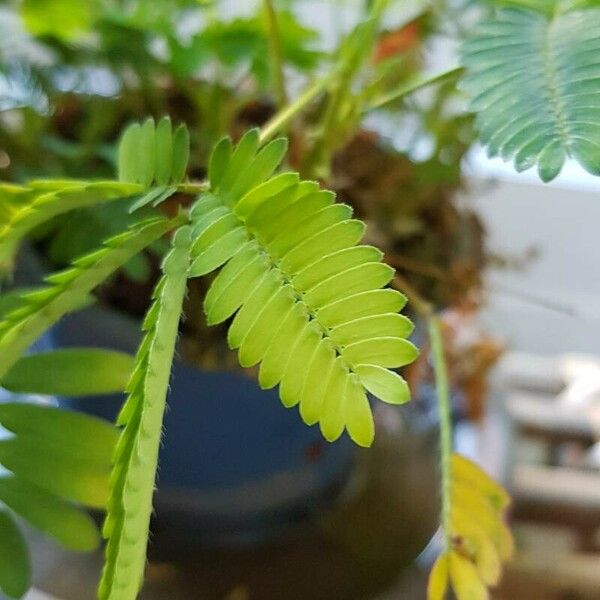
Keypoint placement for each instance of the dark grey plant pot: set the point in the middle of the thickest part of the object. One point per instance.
(233, 462)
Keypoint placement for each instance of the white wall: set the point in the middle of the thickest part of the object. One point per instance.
(562, 220)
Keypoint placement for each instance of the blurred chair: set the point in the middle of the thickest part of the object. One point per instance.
(557, 489)
(553, 429)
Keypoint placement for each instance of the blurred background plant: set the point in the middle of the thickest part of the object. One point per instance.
(73, 74)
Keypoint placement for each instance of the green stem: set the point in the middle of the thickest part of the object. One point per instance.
(353, 55)
(192, 187)
(276, 53)
(412, 86)
(425, 310)
(443, 396)
(284, 116)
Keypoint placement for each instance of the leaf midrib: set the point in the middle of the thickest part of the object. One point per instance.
(557, 104)
(298, 296)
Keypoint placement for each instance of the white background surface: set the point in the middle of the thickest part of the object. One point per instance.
(562, 220)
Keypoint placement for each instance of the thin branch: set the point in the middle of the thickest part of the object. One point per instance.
(444, 406)
(284, 116)
(443, 397)
(415, 266)
(413, 85)
(421, 306)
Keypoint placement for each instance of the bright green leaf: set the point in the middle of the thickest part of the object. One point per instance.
(70, 372)
(68, 525)
(383, 384)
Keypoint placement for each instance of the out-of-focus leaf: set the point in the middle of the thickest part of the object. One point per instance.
(68, 525)
(534, 82)
(65, 19)
(70, 372)
(55, 470)
(74, 433)
(15, 568)
(243, 41)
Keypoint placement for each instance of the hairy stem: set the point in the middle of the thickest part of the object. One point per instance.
(443, 397)
(136, 457)
(276, 53)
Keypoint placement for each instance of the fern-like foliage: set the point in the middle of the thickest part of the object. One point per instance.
(310, 304)
(55, 458)
(135, 462)
(534, 81)
(152, 161)
(22, 208)
(153, 153)
(480, 538)
(69, 289)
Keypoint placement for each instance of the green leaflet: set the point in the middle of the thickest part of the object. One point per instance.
(315, 383)
(309, 303)
(69, 526)
(386, 385)
(15, 568)
(390, 352)
(150, 153)
(68, 476)
(66, 372)
(24, 208)
(61, 431)
(155, 196)
(380, 325)
(135, 461)
(56, 457)
(534, 82)
(181, 153)
(164, 151)
(68, 289)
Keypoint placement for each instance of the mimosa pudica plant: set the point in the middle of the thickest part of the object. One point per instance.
(307, 303)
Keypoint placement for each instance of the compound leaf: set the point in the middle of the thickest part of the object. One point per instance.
(534, 82)
(55, 457)
(479, 540)
(70, 288)
(22, 208)
(310, 305)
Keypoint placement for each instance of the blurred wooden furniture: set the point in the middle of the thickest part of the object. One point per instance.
(572, 577)
(559, 496)
(551, 492)
(541, 417)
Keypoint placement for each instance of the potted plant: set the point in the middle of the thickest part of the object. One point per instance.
(217, 491)
(310, 304)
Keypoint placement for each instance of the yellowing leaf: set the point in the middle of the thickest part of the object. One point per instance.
(437, 584)
(493, 526)
(467, 472)
(480, 549)
(465, 580)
